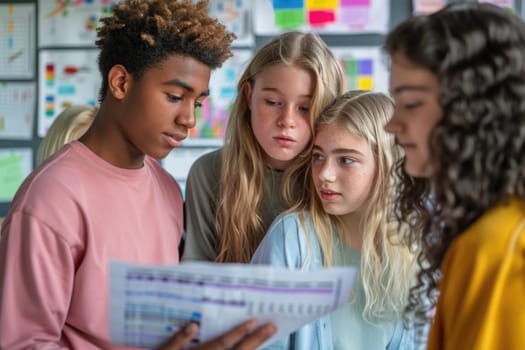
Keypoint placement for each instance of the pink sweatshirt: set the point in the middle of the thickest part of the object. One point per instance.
(69, 219)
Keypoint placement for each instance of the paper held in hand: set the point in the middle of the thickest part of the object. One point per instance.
(149, 303)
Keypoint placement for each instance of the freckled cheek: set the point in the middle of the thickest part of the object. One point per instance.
(261, 111)
(308, 128)
(266, 111)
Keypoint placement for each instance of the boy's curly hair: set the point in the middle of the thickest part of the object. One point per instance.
(142, 33)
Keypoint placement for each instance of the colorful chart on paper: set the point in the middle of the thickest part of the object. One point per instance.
(323, 16)
(80, 17)
(17, 110)
(213, 115)
(17, 41)
(236, 15)
(65, 78)
(364, 68)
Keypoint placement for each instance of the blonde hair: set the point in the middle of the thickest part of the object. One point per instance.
(70, 125)
(239, 224)
(387, 266)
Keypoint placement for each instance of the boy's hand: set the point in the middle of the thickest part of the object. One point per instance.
(242, 337)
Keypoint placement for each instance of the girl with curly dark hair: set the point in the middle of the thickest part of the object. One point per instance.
(458, 80)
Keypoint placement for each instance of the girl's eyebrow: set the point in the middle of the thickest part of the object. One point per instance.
(279, 91)
(409, 87)
(339, 150)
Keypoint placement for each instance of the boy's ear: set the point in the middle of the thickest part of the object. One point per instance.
(119, 81)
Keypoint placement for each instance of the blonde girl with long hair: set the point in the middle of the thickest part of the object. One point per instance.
(233, 194)
(345, 218)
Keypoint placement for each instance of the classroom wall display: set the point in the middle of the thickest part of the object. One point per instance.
(322, 16)
(213, 115)
(365, 67)
(68, 26)
(17, 110)
(65, 77)
(80, 17)
(236, 16)
(17, 41)
(15, 165)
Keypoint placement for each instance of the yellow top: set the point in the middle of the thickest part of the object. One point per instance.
(482, 292)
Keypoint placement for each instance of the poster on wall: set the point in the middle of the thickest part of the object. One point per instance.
(322, 16)
(17, 110)
(17, 41)
(65, 78)
(213, 115)
(15, 165)
(80, 17)
(236, 15)
(364, 67)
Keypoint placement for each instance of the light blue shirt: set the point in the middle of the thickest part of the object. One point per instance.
(288, 244)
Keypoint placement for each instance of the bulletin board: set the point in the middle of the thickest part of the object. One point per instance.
(17, 41)
(80, 17)
(38, 78)
(65, 78)
(322, 16)
(237, 16)
(364, 66)
(213, 115)
(17, 107)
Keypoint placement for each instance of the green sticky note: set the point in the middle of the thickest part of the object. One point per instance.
(351, 67)
(289, 19)
(11, 175)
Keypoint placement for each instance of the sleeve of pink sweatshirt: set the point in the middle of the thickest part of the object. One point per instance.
(67, 222)
(33, 310)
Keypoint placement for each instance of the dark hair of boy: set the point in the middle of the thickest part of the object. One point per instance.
(140, 34)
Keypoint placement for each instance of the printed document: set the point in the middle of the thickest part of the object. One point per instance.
(149, 303)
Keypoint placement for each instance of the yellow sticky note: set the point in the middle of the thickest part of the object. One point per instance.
(322, 4)
(365, 83)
